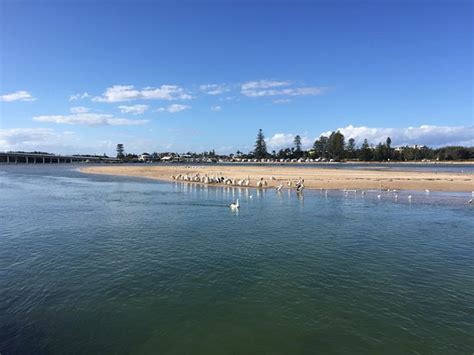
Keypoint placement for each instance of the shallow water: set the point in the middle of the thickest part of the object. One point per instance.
(98, 264)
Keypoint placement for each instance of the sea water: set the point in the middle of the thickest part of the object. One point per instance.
(95, 264)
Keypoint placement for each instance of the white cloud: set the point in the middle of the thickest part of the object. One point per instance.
(282, 101)
(79, 109)
(263, 84)
(216, 108)
(17, 96)
(278, 88)
(433, 136)
(174, 108)
(77, 97)
(214, 89)
(30, 139)
(285, 140)
(229, 98)
(134, 109)
(89, 119)
(120, 93)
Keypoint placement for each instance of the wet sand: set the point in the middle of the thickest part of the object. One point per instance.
(314, 178)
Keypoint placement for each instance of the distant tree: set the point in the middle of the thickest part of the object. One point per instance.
(454, 153)
(336, 145)
(260, 151)
(365, 151)
(388, 143)
(320, 146)
(351, 148)
(120, 151)
(379, 152)
(297, 143)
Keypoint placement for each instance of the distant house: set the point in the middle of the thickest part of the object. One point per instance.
(167, 158)
(144, 157)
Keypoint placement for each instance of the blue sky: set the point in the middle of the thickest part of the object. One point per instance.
(207, 75)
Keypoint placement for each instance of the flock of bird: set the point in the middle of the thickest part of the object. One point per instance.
(224, 180)
(298, 184)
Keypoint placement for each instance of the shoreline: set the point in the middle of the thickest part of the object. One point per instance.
(314, 178)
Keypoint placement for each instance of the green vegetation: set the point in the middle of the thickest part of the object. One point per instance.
(335, 148)
(120, 151)
(260, 151)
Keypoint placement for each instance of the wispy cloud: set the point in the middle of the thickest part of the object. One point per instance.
(263, 84)
(80, 96)
(89, 119)
(79, 109)
(134, 109)
(32, 138)
(433, 136)
(17, 96)
(174, 108)
(282, 101)
(120, 93)
(216, 108)
(263, 88)
(214, 89)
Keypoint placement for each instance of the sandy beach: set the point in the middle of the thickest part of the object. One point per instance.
(314, 178)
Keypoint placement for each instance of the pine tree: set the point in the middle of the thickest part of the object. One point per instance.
(336, 145)
(297, 143)
(120, 151)
(320, 146)
(351, 148)
(365, 151)
(260, 151)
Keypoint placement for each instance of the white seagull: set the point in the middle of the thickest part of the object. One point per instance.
(235, 206)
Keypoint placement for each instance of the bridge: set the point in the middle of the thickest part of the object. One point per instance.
(39, 158)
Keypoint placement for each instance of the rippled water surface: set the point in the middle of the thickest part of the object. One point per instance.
(96, 264)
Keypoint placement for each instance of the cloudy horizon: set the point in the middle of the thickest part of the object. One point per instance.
(189, 95)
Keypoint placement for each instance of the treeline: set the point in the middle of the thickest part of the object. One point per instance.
(334, 147)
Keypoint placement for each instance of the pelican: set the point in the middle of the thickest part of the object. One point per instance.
(427, 191)
(235, 206)
(300, 188)
(379, 196)
(363, 193)
(409, 198)
(396, 197)
(470, 202)
(279, 187)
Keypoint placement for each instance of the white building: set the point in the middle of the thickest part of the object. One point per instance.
(144, 157)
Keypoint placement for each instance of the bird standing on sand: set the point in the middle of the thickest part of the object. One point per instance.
(235, 206)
